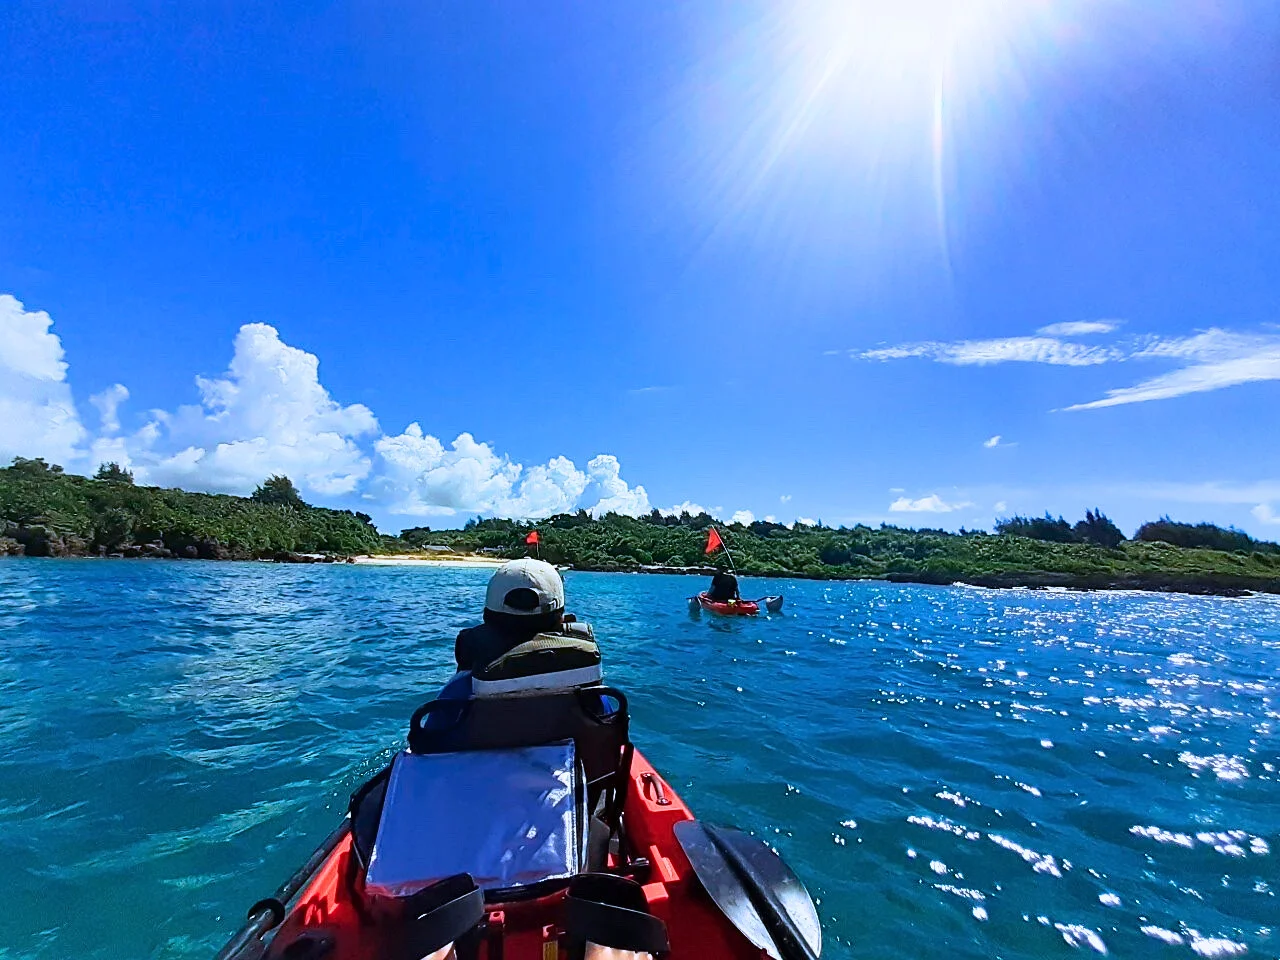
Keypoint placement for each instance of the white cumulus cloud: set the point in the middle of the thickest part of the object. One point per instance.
(554, 488)
(38, 416)
(419, 476)
(108, 405)
(689, 507)
(993, 442)
(1266, 513)
(930, 504)
(268, 414)
(610, 492)
(743, 517)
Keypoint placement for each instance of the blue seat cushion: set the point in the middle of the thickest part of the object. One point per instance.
(510, 818)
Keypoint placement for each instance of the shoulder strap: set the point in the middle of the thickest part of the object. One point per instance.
(578, 629)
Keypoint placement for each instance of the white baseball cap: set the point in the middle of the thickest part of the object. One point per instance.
(525, 588)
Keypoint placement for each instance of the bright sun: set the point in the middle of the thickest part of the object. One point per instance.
(819, 104)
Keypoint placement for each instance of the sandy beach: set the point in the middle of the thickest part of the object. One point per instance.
(419, 560)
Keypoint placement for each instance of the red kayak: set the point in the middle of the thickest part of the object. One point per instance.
(731, 608)
(614, 859)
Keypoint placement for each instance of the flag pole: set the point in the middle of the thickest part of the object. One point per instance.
(725, 545)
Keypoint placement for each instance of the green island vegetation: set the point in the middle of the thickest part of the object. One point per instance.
(47, 512)
(1092, 554)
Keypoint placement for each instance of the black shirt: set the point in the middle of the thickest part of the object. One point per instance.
(724, 587)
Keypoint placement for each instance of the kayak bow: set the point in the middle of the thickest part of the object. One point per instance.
(319, 913)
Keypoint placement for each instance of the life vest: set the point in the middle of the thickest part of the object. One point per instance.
(547, 661)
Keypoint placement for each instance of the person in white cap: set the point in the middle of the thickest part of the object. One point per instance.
(525, 598)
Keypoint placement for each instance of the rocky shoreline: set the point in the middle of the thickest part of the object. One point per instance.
(1219, 585)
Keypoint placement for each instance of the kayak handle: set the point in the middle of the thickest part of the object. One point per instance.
(265, 915)
(660, 795)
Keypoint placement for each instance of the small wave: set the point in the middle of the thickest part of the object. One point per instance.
(1216, 946)
(1163, 935)
(945, 825)
(1076, 935)
(1040, 862)
(1231, 843)
(1222, 766)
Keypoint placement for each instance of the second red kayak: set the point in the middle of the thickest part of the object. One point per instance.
(731, 608)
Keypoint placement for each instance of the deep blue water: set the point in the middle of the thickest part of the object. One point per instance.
(953, 771)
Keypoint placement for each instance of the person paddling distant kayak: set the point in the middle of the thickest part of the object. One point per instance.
(724, 588)
(525, 598)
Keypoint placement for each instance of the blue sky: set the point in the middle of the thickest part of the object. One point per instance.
(801, 261)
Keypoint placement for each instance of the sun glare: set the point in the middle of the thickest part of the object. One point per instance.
(820, 107)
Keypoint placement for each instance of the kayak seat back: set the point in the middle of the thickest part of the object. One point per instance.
(595, 718)
(514, 820)
(550, 661)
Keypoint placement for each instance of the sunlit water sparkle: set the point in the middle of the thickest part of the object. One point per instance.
(980, 773)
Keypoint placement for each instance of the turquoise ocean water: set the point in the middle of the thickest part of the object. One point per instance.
(952, 771)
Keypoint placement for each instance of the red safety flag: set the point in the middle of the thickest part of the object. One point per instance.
(532, 538)
(714, 542)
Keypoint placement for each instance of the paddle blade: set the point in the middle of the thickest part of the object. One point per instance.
(773, 604)
(723, 885)
(776, 880)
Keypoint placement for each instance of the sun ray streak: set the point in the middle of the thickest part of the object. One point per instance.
(803, 116)
(939, 170)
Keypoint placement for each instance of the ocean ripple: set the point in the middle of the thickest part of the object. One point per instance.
(977, 772)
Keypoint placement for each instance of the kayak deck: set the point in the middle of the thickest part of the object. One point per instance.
(329, 909)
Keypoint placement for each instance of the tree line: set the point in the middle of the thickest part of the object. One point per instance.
(1093, 558)
(1097, 528)
(45, 511)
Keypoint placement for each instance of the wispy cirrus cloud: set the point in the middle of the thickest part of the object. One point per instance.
(964, 353)
(1079, 328)
(1207, 360)
(1214, 359)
